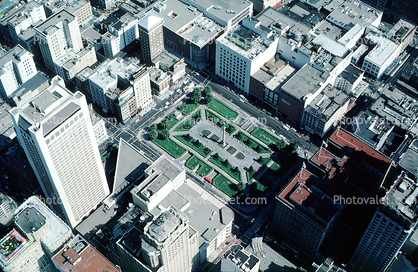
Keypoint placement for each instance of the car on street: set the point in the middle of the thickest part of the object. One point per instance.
(279, 127)
(298, 135)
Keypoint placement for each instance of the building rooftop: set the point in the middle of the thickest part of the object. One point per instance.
(51, 22)
(161, 228)
(58, 230)
(360, 51)
(346, 14)
(91, 34)
(18, 18)
(243, 259)
(401, 30)
(302, 194)
(351, 34)
(33, 83)
(167, 61)
(79, 256)
(11, 246)
(351, 73)
(371, 128)
(402, 197)
(408, 161)
(130, 165)
(70, 59)
(343, 138)
(30, 220)
(329, 30)
(222, 10)
(206, 214)
(333, 47)
(305, 82)
(13, 55)
(149, 21)
(325, 104)
(188, 22)
(47, 106)
(110, 71)
(382, 51)
(270, 258)
(274, 19)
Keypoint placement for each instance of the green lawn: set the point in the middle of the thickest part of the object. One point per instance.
(203, 170)
(227, 169)
(275, 167)
(201, 149)
(187, 107)
(190, 122)
(251, 143)
(170, 147)
(225, 185)
(223, 109)
(214, 138)
(265, 137)
(218, 121)
(250, 175)
(172, 122)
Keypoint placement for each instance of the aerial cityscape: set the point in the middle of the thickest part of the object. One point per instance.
(208, 135)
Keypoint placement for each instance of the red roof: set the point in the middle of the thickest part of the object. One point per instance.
(300, 178)
(323, 158)
(343, 138)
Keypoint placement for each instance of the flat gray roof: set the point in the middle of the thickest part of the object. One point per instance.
(30, 85)
(351, 73)
(30, 220)
(270, 258)
(54, 20)
(13, 55)
(189, 23)
(164, 225)
(409, 161)
(203, 215)
(172, 199)
(306, 81)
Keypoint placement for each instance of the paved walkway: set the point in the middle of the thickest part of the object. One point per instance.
(197, 133)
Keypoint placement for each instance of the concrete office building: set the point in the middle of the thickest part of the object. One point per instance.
(57, 35)
(79, 256)
(239, 260)
(304, 214)
(111, 75)
(242, 51)
(17, 67)
(30, 15)
(191, 27)
(160, 81)
(141, 84)
(72, 63)
(56, 134)
(168, 243)
(381, 56)
(391, 226)
(37, 236)
(151, 38)
(81, 9)
(326, 110)
(166, 185)
(122, 31)
(171, 64)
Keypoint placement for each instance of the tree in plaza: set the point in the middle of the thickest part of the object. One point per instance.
(207, 91)
(216, 156)
(165, 134)
(281, 145)
(226, 162)
(196, 95)
(208, 99)
(153, 134)
(260, 159)
(251, 169)
(153, 127)
(239, 136)
(164, 123)
(241, 186)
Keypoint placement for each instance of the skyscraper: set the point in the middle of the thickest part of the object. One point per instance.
(167, 244)
(56, 35)
(151, 36)
(391, 226)
(57, 136)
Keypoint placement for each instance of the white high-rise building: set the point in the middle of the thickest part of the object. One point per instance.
(57, 135)
(58, 34)
(142, 89)
(16, 67)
